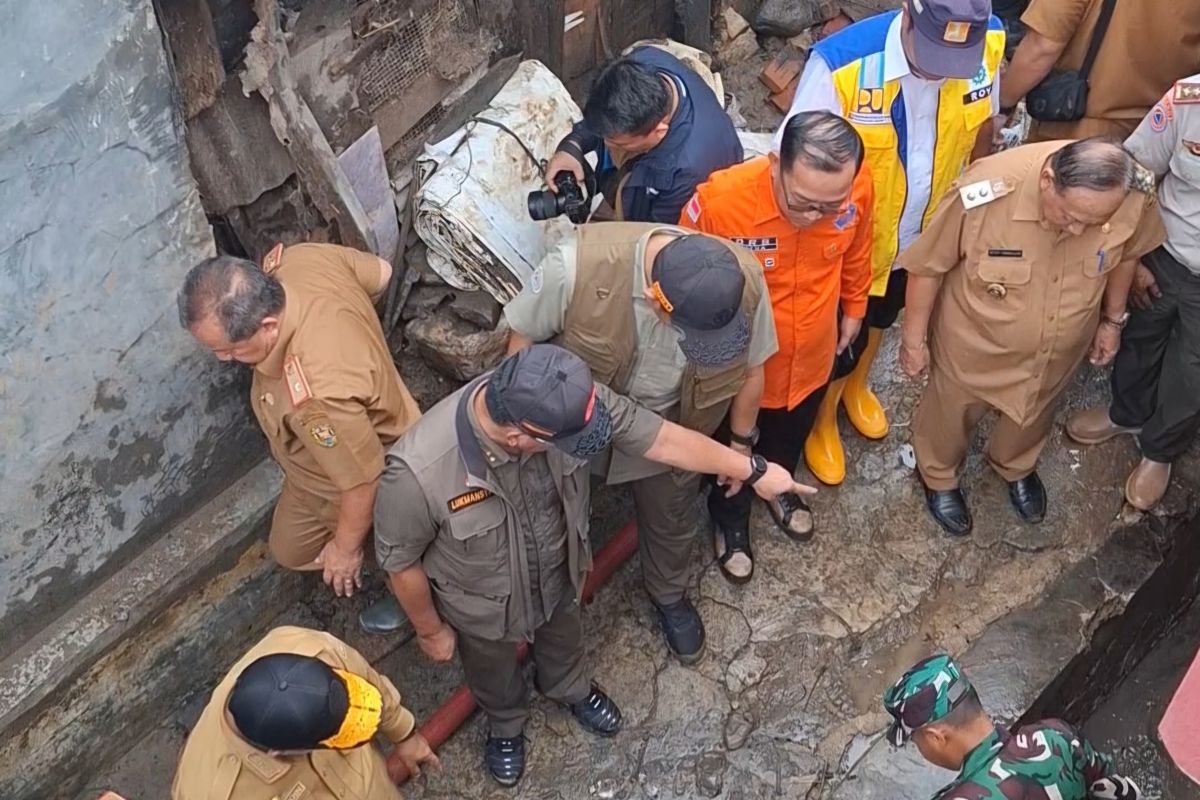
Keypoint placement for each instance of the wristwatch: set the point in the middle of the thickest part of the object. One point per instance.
(758, 468)
(1120, 322)
(749, 440)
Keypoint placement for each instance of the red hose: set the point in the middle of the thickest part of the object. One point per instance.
(450, 715)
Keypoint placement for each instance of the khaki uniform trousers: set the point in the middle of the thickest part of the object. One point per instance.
(300, 527)
(945, 421)
(666, 520)
(494, 674)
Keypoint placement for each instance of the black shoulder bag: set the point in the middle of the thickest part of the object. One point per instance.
(1062, 95)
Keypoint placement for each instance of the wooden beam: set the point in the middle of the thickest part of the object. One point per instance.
(268, 72)
(192, 42)
(693, 23)
(541, 30)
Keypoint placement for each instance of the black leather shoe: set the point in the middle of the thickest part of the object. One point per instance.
(1028, 497)
(950, 510)
(505, 759)
(382, 617)
(683, 629)
(598, 713)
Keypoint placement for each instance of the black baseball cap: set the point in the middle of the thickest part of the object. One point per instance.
(548, 392)
(698, 281)
(285, 701)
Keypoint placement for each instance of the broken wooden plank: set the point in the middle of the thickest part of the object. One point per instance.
(192, 41)
(268, 72)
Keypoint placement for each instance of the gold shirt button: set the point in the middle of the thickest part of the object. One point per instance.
(997, 290)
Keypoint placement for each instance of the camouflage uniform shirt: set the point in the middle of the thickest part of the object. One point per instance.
(1044, 761)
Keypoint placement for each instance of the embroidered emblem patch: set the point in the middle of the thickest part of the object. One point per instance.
(536, 279)
(468, 499)
(956, 32)
(273, 259)
(693, 208)
(323, 434)
(1158, 118)
(846, 218)
(296, 792)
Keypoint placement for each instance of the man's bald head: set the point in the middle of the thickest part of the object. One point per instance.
(1085, 182)
(231, 306)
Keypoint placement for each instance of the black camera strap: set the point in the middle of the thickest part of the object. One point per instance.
(1106, 12)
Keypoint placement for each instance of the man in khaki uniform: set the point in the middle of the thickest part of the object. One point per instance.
(294, 718)
(1023, 270)
(1148, 46)
(482, 522)
(1156, 375)
(680, 322)
(325, 391)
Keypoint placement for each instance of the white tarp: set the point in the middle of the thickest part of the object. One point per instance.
(471, 208)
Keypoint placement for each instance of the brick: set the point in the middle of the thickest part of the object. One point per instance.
(783, 99)
(782, 71)
(836, 24)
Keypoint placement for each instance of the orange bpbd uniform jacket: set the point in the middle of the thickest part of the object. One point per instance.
(809, 271)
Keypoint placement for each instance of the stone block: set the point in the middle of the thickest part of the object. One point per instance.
(478, 308)
(789, 17)
(456, 348)
(424, 300)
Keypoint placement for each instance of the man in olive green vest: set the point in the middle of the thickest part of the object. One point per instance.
(680, 322)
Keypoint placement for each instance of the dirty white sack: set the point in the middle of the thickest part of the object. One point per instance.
(755, 144)
(471, 206)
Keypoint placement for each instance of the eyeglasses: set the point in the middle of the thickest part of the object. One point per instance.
(799, 204)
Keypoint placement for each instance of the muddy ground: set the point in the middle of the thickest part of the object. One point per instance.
(787, 697)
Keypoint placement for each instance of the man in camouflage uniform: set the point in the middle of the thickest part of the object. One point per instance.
(935, 705)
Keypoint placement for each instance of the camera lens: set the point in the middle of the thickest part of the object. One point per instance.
(543, 205)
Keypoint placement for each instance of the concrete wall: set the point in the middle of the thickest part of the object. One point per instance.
(111, 419)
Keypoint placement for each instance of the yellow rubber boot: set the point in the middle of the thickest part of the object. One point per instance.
(862, 406)
(823, 449)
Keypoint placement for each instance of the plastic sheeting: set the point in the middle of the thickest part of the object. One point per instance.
(471, 207)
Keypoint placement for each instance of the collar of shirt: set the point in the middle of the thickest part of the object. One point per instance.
(492, 453)
(470, 448)
(265, 766)
(765, 207)
(272, 365)
(983, 754)
(895, 63)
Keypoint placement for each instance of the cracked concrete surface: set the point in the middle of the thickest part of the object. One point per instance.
(785, 703)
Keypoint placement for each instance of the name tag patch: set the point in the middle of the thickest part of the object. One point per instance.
(1004, 252)
(975, 95)
(758, 244)
(468, 499)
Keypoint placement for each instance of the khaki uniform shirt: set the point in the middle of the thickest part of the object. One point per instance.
(328, 397)
(539, 313)
(494, 539)
(1019, 302)
(1168, 143)
(1149, 45)
(217, 764)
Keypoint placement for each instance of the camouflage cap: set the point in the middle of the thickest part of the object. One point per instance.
(926, 693)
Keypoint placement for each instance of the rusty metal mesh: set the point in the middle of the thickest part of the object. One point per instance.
(409, 51)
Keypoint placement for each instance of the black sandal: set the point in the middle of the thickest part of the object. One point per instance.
(735, 541)
(792, 516)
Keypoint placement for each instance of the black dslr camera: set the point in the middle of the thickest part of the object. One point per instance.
(571, 199)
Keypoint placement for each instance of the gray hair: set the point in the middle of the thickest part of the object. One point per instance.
(821, 140)
(235, 290)
(1099, 164)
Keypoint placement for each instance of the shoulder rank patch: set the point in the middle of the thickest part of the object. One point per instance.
(1187, 92)
(297, 382)
(981, 193)
(273, 259)
(1143, 179)
(468, 499)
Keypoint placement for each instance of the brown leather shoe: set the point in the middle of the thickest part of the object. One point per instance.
(1147, 484)
(1094, 426)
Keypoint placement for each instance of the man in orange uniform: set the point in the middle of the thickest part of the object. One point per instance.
(806, 214)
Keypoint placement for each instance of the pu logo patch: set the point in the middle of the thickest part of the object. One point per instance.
(468, 499)
(868, 107)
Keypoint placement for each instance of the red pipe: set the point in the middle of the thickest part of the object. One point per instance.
(450, 715)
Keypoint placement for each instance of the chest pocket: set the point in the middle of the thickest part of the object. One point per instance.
(709, 389)
(1104, 260)
(476, 556)
(1186, 165)
(1002, 280)
(878, 136)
